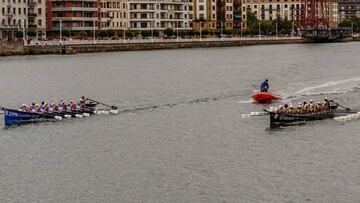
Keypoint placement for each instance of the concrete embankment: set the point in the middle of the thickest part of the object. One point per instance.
(111, 47)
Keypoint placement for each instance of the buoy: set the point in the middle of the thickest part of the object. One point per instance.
(78, 116)
(86, 114)
(114, 111)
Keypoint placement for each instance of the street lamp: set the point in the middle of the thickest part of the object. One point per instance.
(23, 28)
(259, 31)
(94, 29)
(200, 30)
(152, 31)
(276, 30)
(124, 34)
(221, 28)
(241, 29)
(60, 32)
(177, 31)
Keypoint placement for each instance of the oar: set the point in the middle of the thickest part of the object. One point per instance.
(346, 108)
(57, 117)
(112, 107)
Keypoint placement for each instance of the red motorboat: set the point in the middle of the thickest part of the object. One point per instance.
(265, 97)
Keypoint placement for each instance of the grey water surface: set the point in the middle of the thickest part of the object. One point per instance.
(180, 135)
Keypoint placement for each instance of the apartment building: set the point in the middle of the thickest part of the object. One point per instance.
(18, 14)
(160, 14)
(349, 9)
(272, 9)
(72, 15)
(334, 14)
(224, 14)
(113, 15)
(237, 22)
(205, 15)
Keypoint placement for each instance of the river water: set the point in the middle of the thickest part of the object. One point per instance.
(179, 136)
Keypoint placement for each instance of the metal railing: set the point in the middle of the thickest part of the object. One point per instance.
(156, 40)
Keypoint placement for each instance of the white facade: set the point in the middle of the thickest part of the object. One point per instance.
(271, 10)
(159, 14)
(113, 14)
(15, 14)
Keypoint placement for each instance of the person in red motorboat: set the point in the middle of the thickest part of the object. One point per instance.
(264, 87)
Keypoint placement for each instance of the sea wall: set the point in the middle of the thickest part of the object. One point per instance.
(7, 50)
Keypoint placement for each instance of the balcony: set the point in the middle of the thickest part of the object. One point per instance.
(76, 0)
(32, 14)
(75, 28)
(74, 18)
(32, 3)
(74, 9)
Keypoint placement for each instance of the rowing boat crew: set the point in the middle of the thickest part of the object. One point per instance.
(44, 107)
(305, 107)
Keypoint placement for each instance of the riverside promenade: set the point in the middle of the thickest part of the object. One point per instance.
(89, 46)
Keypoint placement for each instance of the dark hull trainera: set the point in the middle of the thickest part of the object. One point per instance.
(277, 119)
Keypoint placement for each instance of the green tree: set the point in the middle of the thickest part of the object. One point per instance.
(169, 32)
(111, 33)
(128, 33)
(146, 33)
(205, 33)
(83, 34)
(103, 33)
(65, 33)
(266, 26)
(31, 33)
(18, 34)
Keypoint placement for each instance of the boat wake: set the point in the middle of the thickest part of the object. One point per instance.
(170, 105)
(348, 117)
(334, 87)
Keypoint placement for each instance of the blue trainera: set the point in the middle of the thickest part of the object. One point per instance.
(18, 117)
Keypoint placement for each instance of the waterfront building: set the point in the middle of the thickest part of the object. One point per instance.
(72, 15)
(288, 10)
(333, 14)
(113, 15)
(205, 15)
(224, 14)
(349, 9)
(18, 14)
(273, 9)
(237, 22)
(160, 14)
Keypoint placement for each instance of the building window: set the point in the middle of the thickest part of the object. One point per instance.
(39, 22)
(19, 11)
(201, 8)
(39, 11)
